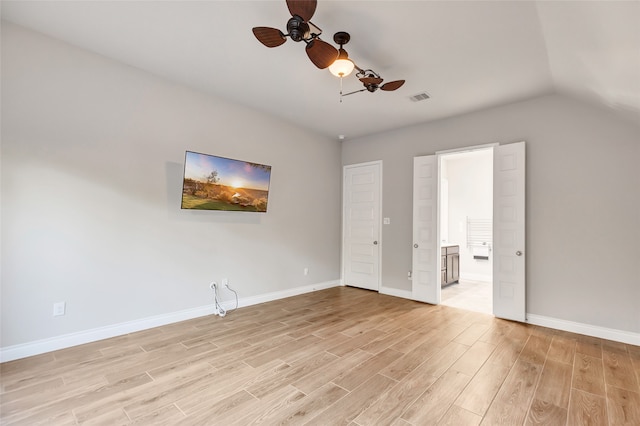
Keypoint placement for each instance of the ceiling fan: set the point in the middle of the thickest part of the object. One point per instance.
(300, 28)
(344, 65)
(372, 82)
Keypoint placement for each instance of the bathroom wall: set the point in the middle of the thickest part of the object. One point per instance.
(470, 195)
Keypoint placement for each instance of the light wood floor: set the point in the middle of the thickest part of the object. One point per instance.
(470, 295)
(338, 356)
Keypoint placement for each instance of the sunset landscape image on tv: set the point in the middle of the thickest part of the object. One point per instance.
(218, 183)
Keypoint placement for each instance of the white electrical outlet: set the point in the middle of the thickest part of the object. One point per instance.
(59, 309)
(306, 271)
(225, 282)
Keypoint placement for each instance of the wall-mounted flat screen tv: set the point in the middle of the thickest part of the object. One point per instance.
(218, 183)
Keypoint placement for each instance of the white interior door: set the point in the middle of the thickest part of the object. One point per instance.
(426, 259)
(509, 232)
(362, 194)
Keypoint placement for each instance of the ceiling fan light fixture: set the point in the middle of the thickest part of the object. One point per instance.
(341, 67)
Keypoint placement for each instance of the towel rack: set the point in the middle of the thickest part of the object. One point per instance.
(479, 232)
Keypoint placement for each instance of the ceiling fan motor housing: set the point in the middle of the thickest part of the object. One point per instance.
(341, 37)
(298, 29)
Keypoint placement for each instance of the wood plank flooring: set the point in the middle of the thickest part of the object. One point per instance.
(337, 356)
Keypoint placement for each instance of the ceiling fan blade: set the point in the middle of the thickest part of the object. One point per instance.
(321, 53)
(303, 8)
(392, 85)
(270, 37)
(370, 80)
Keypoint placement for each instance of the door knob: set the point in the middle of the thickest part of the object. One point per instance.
(415, 246)
(518, 253)
(375, 243)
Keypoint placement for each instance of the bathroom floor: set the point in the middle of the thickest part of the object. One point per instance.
(470, 295)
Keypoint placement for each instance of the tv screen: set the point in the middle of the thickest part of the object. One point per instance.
(218, 183)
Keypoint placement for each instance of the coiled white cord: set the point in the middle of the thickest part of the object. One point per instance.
(220, 311)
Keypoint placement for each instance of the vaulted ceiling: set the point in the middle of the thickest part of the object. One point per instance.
(466, 55)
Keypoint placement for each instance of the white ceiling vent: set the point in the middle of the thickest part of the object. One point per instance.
(422, 96)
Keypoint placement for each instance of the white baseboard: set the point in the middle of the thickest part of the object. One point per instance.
(277, 295)
(586, 329)
(37, 347)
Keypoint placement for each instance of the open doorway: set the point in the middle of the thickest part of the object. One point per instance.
(466, 229)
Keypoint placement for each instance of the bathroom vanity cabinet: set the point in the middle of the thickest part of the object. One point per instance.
(450, 265)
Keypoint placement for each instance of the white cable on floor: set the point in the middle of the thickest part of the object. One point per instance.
(236, 293)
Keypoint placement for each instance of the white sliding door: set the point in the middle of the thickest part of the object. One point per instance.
(426, 258)
(509, 232)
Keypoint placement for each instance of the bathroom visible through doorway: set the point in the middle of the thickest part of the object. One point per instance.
(466, 229)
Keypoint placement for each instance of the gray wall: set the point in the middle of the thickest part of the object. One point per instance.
(92, 155)
(92, 161)
(583, 202)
